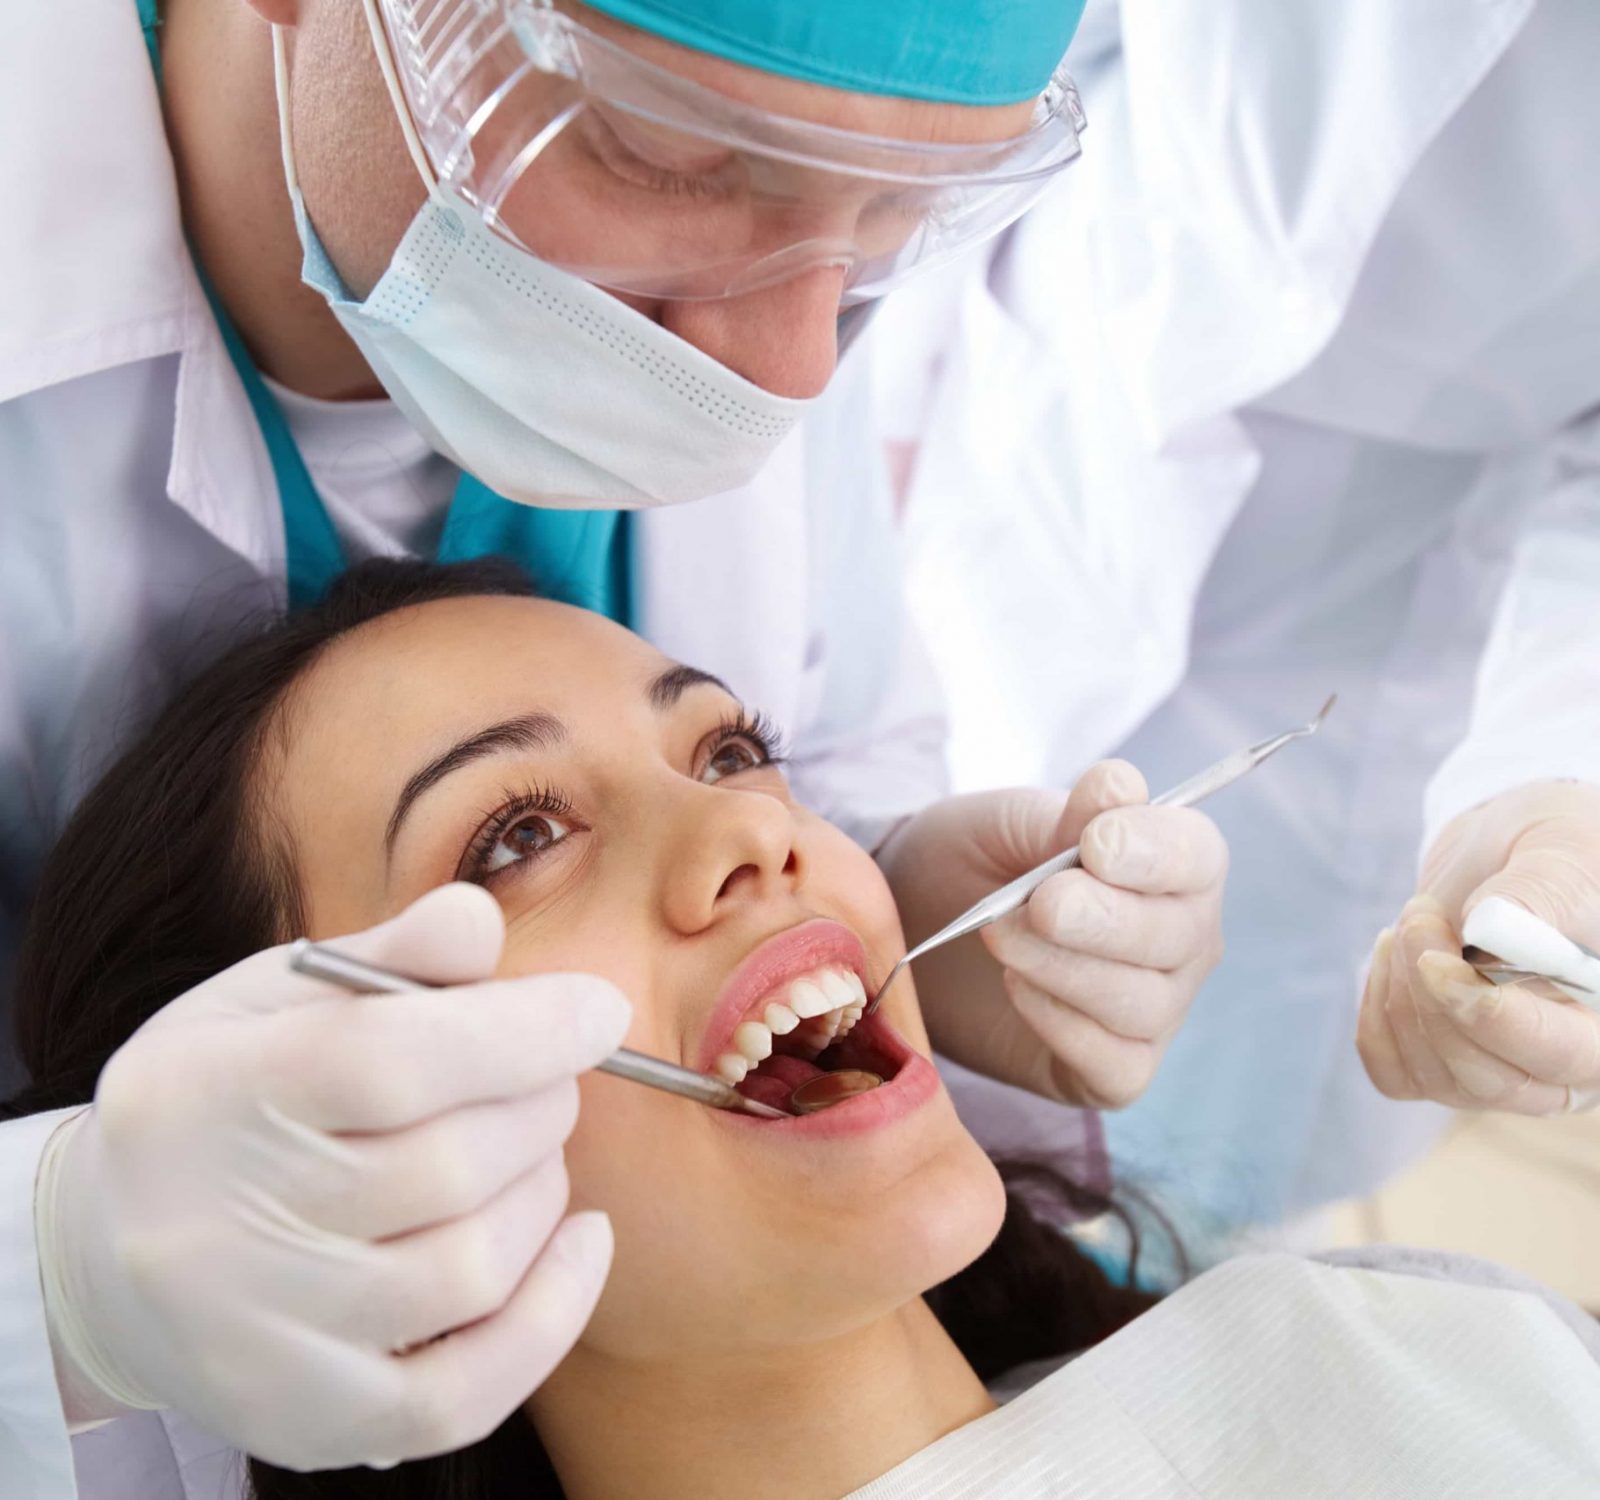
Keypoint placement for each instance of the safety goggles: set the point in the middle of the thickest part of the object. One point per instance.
(641, 181)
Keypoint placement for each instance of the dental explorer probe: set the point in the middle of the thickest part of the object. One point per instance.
(1009, 897)
(306, 957)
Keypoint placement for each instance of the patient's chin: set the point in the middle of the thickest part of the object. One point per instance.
(950, 1224)
(933, 1225)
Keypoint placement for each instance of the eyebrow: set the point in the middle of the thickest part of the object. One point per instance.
(671, 685)
(535, 731)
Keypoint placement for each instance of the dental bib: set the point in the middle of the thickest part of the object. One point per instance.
(548, 390)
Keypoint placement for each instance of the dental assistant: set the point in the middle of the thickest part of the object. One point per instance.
(1352, 442)
(567, 284)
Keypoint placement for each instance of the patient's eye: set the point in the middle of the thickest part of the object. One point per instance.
(742, 743)
(531, 835)
(527, 826)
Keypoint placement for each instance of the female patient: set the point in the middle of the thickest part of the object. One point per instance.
(768, 1326)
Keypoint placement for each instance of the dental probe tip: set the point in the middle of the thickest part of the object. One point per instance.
(763, 1111)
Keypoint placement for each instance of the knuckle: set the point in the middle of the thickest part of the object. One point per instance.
(1076, 909)
(364, 1091)
(440, 1176)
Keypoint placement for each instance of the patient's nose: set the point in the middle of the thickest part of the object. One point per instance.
(738, 848)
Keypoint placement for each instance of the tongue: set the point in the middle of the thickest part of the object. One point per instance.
(779, 1077)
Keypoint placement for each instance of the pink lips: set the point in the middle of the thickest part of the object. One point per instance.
(915, 1082)
(777, 962)
(780, 960)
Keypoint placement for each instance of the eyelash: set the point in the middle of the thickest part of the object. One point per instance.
(549, 802)
(497, 824)
(758, 729)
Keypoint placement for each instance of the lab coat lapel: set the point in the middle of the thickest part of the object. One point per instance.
(118, 284)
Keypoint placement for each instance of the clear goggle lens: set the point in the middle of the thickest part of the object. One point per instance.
(592, 159)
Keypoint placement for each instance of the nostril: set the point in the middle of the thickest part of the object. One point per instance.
(743, 873)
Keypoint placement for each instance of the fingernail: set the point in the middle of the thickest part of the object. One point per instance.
(1122, 782)
(1423, 905)
(1383, 947)
(1454, 983)
(1106, 843)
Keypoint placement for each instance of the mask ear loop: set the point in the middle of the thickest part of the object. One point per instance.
(280, 85)
(391, 79)
(397, 97)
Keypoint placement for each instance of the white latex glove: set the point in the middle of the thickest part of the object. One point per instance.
(1430, 1027)
(1077, 995)
(281, 1185)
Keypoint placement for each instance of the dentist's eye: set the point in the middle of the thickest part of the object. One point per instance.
(526, 827)
(744, 742)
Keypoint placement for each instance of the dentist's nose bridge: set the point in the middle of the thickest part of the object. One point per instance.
(725, 847)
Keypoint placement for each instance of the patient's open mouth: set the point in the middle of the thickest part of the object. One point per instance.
(804, 1030)
(793, 1013)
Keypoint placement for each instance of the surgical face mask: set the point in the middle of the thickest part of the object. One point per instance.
(546, 389)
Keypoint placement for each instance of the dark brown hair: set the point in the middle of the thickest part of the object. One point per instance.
(168, 873)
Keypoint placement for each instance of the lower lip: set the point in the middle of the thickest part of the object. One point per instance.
(914, 1083)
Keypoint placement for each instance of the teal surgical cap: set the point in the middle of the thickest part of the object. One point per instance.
(946, 51)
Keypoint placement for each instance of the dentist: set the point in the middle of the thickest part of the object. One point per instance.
(287, 283)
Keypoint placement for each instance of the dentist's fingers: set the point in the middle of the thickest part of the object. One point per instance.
(1076, 911)
(372, 1187)
(452, 935)
(449, 1276)
(391, 1060)
(1157, 850)
(1096, 1067)
(1105, 785)
(1555, 1042)
(451, 1393)
(1134, 1002)
(1375, 1038)
(1421, 926)
(1431, 1028)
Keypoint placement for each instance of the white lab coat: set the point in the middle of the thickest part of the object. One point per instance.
(1282, 391)
(139, 524)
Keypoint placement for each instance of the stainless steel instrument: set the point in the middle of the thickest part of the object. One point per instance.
(1009, 897)
(306, 957)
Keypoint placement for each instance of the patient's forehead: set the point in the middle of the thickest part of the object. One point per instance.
(458, 664)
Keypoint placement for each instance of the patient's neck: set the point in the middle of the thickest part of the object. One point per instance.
(810, 1422)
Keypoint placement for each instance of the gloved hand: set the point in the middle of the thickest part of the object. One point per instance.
(1076, 995)
(1430, 1027)
(280, 1185)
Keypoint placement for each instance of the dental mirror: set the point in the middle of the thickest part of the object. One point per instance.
(832, 1088)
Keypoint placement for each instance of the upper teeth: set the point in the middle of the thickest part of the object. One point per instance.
(820, 1009)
